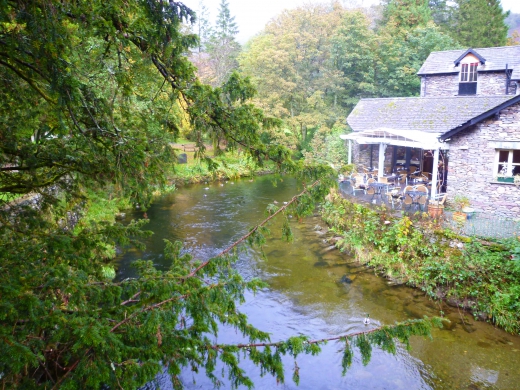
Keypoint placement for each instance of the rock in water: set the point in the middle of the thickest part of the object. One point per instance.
(345, 279)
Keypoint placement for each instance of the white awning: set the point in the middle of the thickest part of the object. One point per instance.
(410, 138)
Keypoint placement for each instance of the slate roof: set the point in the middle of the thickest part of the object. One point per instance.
(496, 59)
(428, 114)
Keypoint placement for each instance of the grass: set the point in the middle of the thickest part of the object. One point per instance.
(102, 206)
(229, 166)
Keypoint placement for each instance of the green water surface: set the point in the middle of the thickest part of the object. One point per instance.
(306, 296)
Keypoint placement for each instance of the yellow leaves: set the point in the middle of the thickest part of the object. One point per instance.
(11, 27)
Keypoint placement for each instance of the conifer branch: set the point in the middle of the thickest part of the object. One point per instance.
(434, 321)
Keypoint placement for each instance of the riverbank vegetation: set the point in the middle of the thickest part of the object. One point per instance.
(229, 166)
(466, 272)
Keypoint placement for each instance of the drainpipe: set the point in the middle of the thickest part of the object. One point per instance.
(350, 151)
(371, 156)
(507, 81)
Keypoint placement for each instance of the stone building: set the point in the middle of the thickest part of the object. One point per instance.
(467, 118)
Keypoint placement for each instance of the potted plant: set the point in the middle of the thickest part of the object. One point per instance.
(461, 204)
(436, 206)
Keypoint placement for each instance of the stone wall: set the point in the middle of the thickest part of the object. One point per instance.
(440, 85)
(361, 156)
(471, 165)
(493, 83)
(489, 83)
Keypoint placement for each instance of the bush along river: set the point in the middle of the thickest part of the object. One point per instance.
(317, 291)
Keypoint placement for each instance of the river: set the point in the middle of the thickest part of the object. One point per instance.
(306, 296)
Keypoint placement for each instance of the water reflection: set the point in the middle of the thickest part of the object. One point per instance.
(309, 294)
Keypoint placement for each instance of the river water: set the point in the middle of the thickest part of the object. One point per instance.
(306, 296)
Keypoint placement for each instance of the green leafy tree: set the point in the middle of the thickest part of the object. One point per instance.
(478, 23)
(386, 62)
(399, 58)
(353, 53)
(404, 15)
(405, 38)
(440, 12)
(92, 93)
(290, 65)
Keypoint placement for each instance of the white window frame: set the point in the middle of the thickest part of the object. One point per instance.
(468, 72)
(498, 165)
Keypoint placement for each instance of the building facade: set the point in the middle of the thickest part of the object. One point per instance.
(467, 117)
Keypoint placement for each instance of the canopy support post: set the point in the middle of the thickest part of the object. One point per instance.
(381, 167)
(435, 172)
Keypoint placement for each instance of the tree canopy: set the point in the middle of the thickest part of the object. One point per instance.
(472, 23)
(311, 65)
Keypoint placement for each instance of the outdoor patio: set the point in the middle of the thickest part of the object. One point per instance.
(392, 195)
(479, 224)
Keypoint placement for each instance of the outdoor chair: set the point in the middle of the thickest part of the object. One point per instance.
(370, 190)
(395, 198)
(422, 199)
(407, 200)
(358, 183)
(403, 179)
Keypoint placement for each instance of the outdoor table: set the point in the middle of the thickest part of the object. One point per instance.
(419, 180)
(378, 187)
(392, 177)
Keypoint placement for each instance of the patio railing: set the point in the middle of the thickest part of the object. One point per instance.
(484, 225)
(489, 226)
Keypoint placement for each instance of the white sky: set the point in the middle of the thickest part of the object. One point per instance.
(252, 15)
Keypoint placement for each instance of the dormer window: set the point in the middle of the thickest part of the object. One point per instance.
(469, 62)
(468, 76)
(468, 72)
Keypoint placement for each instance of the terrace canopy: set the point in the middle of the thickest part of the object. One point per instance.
(418, 122)
(408, 138)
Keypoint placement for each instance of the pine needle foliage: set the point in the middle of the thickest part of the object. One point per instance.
(92, 93)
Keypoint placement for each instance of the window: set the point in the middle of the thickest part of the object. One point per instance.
(468, 79)
(507, 162)
(468, 73)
